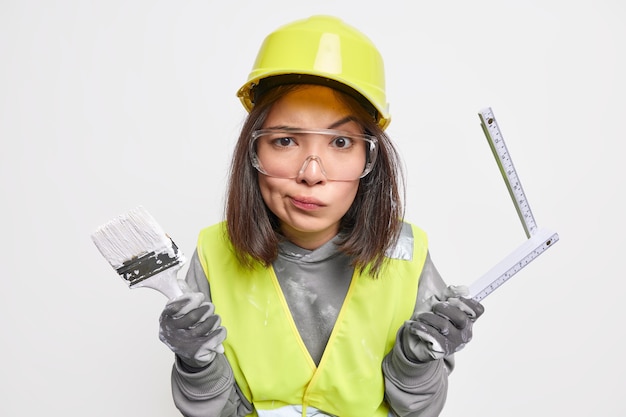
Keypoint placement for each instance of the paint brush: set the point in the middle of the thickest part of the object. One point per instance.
(140, 251)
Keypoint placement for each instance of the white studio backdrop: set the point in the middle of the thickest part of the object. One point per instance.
(106, 105)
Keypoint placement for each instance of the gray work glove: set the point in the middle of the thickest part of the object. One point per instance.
(444, 328)
(191, 329)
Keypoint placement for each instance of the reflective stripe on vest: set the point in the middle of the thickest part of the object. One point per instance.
(270, 362)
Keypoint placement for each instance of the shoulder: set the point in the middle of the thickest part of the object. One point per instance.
(213, 229)
(411, 239)
(213, 242)
(215, 233)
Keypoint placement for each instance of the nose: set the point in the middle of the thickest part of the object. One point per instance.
(312, 171)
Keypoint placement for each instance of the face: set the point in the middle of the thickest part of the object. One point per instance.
(309, 207)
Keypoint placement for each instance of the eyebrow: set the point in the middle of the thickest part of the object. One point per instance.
(334, 125)
(343, 121)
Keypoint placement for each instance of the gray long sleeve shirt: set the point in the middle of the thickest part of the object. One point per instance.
(314, 284)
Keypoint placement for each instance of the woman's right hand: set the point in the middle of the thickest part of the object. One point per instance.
(191, 329)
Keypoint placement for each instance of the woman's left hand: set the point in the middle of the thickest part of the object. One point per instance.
(442, 331)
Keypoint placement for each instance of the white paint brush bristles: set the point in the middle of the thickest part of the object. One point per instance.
(140, 251)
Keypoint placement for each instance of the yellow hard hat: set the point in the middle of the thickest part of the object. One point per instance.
(320, 49)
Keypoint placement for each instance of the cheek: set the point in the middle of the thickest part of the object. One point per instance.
(347, 194)
(341, 195)
(268, 191)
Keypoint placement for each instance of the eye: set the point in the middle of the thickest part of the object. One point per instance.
(284, 142)
(341, 142)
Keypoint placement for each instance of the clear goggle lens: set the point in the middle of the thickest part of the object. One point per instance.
(287, 153)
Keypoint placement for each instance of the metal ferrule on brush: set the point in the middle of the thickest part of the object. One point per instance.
(143, 267)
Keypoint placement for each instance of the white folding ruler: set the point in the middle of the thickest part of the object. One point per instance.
(539, 239)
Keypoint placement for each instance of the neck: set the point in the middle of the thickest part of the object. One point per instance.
(309, 240)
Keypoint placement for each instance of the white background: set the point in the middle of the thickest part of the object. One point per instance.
(105, 105)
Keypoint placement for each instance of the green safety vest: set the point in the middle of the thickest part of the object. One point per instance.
(270, 362)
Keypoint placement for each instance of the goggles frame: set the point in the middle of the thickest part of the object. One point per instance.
(371, 149)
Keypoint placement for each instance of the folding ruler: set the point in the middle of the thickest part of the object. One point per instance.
(539, 239)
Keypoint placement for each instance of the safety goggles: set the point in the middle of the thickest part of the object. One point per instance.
(287, 152)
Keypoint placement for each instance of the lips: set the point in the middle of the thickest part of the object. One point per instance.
(307, 203)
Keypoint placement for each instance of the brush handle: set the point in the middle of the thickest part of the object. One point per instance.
(165, 282)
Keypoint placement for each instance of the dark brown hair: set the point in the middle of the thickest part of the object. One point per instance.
(371, 225)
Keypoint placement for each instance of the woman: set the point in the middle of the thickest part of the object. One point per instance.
(331, 301)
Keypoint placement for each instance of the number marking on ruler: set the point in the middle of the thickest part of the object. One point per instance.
(505, 163)
(513, 263)
(538, 239)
